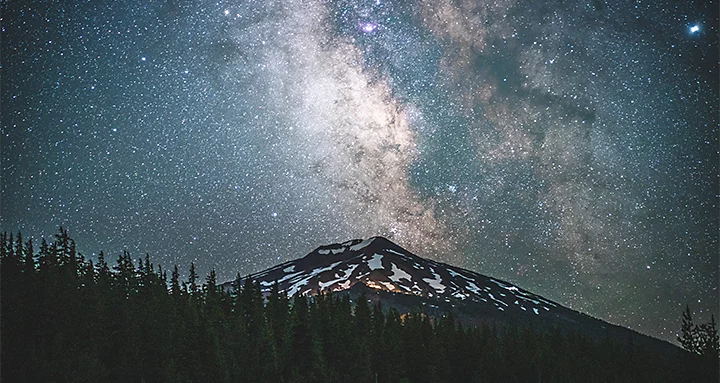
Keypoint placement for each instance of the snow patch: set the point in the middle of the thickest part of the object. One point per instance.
(521, 294)
(460, 295)
(296, 287)
(306, 278)
(289, 269)
(435, 283)
(496, 300)
(399, 274)
(456, 273)
(376, 262)
(453, 273)
(373, 285)
(388, 285)
(361, 245)
(473, 288)
(289, 276)
(344, 277)
(396, 253)
(343, 286)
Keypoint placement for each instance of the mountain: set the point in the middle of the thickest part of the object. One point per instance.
(385, 272)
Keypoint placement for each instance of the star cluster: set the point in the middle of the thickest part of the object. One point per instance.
(569, 148)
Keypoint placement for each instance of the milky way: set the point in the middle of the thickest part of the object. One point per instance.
(570, 148)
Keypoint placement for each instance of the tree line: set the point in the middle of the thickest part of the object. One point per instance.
(66, 318)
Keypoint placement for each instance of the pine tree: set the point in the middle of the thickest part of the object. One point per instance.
(713, 343)
(706, 337)
(688, 334)
(103, 274)
(175, 290)
(19, 247)
(29, 260)
(212, 294)
(192, 280)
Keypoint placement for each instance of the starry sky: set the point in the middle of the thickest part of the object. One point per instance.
(568, 147)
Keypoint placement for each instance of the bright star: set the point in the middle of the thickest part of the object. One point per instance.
(695, 28)
(368, 27)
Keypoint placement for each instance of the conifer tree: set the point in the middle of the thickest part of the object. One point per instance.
(706, 337)
(688, 334)
(19, 247)
(29, 259)
(175, 282)
(192, 280)
(713, 342)
(211, 288)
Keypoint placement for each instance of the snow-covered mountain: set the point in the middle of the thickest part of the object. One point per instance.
(386, 272)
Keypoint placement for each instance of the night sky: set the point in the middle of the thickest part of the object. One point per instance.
(568, 147)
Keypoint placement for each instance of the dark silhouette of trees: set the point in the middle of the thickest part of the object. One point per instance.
(67, 319)
(687, 337)
(701, 340)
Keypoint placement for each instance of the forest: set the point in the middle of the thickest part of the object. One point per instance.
(65, 318)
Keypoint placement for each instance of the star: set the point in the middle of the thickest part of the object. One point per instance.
(694, 29)
(368, 27)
